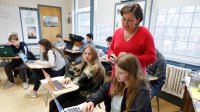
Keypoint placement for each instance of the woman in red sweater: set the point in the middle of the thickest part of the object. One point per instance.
(132, 38)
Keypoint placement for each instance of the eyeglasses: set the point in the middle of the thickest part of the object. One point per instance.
(128, 20)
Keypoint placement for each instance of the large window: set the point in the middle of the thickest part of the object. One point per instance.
(83, 23)
(177, 30)
(82, 17)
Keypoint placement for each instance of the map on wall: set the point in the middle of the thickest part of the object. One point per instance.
(119, 6)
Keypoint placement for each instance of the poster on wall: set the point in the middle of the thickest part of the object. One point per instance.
(29, 22)
(119, 6)
(50, 21)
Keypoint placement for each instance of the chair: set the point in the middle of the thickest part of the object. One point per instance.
(14, 70)
(158, 105)
(157, 101)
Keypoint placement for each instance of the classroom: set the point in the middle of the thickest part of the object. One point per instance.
(99, 55)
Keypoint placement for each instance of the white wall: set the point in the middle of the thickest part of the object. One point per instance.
(163, 4)
(66, 6)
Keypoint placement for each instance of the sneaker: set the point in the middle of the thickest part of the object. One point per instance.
(31, 94)
(9, 85)
(25, 85)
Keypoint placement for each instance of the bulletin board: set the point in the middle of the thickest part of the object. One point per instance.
(50, 20)
(29, 23)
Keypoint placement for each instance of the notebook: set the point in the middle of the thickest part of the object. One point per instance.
(6, 52)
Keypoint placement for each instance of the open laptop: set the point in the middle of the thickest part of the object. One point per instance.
(56, 87)
(6, 52)
(76, 108)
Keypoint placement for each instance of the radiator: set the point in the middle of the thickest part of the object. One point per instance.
(174, 75)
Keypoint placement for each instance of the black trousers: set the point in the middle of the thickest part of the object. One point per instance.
(67, 100)
(38, 75)
(22, 69)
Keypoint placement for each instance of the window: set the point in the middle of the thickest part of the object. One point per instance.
(83, 23)
(177, 30)
(82, 17)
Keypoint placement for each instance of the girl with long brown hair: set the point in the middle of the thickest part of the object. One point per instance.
(129, 91)
(88, 75)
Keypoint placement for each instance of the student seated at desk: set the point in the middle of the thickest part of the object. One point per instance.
(158, 69)
(52, 58)
(89, 41)
(105, 61)
(60, 44)
(128, 92)
(88, 75)
(17, 47)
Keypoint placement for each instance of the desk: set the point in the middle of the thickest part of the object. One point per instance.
(73, 52)
(9, 58)
(189, 103)
(33, 65)
(69, 87)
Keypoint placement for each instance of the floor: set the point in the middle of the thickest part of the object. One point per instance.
(13, 100)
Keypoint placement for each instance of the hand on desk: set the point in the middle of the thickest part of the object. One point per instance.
(66, 80)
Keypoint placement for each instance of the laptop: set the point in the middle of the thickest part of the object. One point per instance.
(54, 85)
(76, 108)
(6, 52)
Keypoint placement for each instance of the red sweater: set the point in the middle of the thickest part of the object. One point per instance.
(141, 45)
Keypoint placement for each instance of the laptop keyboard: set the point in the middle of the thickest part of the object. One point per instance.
(58, 85)
(72, 109)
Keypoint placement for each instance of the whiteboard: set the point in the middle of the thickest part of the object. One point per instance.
(9, 23)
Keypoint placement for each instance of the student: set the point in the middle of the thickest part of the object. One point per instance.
(107, 64)
(89, 41)
(133, 38)
(158, 69)
(17, 47)
(108, 40)
(52, 58)
(60, 44)
(128, 92)
(88, 75)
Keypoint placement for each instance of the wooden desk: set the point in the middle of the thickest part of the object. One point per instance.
(73, 52)
(69, 87)
(33, 65)
(9, 58)
(189, 103)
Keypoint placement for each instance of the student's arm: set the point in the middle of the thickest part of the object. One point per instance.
(142, 102)
(24, 48)
(51, 61)
(100, 95)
